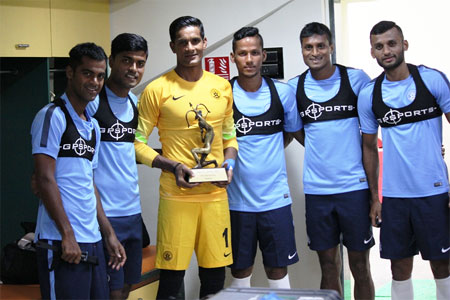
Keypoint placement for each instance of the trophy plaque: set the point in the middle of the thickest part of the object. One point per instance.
(202, 174)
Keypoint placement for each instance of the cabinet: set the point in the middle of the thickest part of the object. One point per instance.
(25, 23)
(50, 28)
(78, 21)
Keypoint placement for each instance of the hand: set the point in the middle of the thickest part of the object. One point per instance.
(71, 251)
(229, 170)
(375, 212)
(182, 172)
(117, 255)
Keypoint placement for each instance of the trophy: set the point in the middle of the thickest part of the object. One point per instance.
(202, 174)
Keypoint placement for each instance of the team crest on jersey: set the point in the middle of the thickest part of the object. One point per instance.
(215, 93)
(411, 95)
(167, 255)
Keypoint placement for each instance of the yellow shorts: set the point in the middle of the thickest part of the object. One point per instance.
(187, 226)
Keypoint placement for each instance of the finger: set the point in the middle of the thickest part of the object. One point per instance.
(112, 262)
(123, 254)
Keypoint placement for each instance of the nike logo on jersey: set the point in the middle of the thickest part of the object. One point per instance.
(445, 250)
(368, 241)
(176, 98)
(292, 256)
(226, 254)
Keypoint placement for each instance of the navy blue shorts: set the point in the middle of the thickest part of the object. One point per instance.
(411, 225)
(273, 229)
(329, 216)
(72, 281)
(129, 232)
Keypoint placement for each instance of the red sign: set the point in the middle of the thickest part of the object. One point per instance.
(219, 66)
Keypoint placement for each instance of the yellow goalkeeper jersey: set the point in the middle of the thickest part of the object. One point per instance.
(165, 103)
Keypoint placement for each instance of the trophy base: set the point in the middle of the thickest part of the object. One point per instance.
(208, 175)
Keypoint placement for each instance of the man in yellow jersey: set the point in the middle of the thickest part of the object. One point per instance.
(191, 216)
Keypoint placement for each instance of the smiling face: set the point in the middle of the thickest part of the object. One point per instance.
(127, 69)
(316, 51)
(248, 56)
(86, 81)
(188, 47)
(388, 49)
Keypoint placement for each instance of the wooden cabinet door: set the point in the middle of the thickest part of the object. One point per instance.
(25, 28)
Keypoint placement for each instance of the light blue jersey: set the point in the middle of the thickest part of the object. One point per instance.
(333, 153)
(259, 176)
(116, 177)
(412, 162)
(74, 176)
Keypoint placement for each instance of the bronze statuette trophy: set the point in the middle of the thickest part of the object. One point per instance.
(202, 174)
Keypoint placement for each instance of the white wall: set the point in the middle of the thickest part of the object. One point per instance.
(423, 24)
(279, 28)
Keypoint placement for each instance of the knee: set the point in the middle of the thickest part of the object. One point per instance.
(360, 268)
(440, 268)
(241, 273)
(211, 280)
(211, 274)
(275, 273)
(126, 291)
(401, 269)
(170, 282)
(330, 265)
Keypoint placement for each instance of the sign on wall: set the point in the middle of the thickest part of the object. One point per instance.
(219, 66)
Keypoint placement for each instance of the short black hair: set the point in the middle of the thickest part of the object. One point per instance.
(128, 42)
(90, 50)
(383, 26)
(246, 32)
(313, 28)
(182, 22)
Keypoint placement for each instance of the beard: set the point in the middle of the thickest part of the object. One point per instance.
(388, 67)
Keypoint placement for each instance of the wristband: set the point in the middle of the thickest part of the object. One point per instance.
(175, 167)
(230, 162)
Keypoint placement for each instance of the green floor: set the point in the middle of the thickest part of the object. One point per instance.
(424, 289)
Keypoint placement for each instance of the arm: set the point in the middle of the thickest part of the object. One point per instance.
(300, 136)
(148, 109)
(371, 163)
(230, 155)
(117, 255)
(287, 138)
(180, 170)
(229, 139)
(47, 188)
(447, 115)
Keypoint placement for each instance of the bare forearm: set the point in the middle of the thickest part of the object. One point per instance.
(229, 153)
(164, 163)
(103, 222)
(299, 136)
(51, 198)
(371, 163)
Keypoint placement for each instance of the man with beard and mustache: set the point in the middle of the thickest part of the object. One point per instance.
(337, 198)
(407, 101)
(65, 143)
(116, 176)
